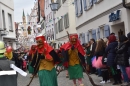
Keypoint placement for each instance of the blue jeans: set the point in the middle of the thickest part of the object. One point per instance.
(99, 72)
(123, 71)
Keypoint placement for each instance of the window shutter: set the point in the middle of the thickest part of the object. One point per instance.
(94, 34)
(76, 7)
(117, 14)
(85, 5)
(61, 22)
(91, 3)
(106, 30)
(94, 1)
(67, 20)
(88, 36)
(98, 33)
(80, 6)
(83, 37)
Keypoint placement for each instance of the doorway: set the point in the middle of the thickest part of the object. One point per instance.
(118, 29)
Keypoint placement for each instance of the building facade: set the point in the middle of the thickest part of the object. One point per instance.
(49, 23)
(7, 26)
(98, 18)
(64, 21)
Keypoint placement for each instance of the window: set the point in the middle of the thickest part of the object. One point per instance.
(78, 7)
(66, 21)
(83, 38)
(3, 16)
(56, 28)
(94, 34)
(102, 32)
(85, 4)
(10, 22)
(98, 33)
(60, 25)
(106, 30)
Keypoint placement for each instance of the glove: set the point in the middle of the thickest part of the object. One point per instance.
(72, 48)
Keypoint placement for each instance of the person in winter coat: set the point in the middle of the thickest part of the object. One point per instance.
(111, 54)
(89, 62)
(122, 57)
(6, 79)
(99, 52)
(128, 36)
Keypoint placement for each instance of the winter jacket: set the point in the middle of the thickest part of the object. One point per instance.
(122, 54)
(7, 80)
(111, 53)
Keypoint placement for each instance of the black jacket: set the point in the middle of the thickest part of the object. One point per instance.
(122, 54)
(36, 60)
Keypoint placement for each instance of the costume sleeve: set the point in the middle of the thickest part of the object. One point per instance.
(82, 58)
(34, 60)
(55, 56)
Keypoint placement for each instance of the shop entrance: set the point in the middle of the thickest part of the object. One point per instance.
(118, 29)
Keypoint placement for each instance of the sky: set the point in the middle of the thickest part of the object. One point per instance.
(19, 5)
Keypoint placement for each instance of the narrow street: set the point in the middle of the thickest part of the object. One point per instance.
(62, 80)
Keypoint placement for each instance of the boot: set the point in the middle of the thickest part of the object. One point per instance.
(118, 77)
(115, 80)
(74, 85)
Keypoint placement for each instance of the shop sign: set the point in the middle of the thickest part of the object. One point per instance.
(114, 16)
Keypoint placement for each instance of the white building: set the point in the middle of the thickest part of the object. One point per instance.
(98, 18)
(49, 22)
(64, 21)
(7, 28)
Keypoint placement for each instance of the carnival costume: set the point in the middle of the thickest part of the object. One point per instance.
(74, 57)
(30, 58)
(44, 60)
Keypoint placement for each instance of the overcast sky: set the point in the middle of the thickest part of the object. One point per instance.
(19, 5)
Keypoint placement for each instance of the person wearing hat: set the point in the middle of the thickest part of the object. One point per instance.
(74, 57)
(7, 75)
(44, 62)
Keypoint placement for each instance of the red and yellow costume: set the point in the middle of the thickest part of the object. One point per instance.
(74, 57)
(30, 57)
(44, 61)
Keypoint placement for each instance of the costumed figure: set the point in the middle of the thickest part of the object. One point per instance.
(30, 58)
(44, 63)
(8, 70)
(74, 58)
(8, 53)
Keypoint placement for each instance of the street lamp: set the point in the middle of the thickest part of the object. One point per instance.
(54, 6)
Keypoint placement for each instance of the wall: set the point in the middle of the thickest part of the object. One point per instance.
(8, 10)
(104, 20)
(96, 10)
(64, 9)
(49, 14)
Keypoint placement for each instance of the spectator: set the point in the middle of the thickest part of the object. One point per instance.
(111, 54)
(92, 51)
(89, 63)
(122, 57)
(99, 52)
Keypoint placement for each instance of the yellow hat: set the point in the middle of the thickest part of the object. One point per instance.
(2, 47)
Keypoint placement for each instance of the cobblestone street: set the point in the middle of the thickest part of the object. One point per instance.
(62, 80)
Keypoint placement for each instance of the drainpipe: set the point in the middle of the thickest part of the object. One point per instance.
(123, 2)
